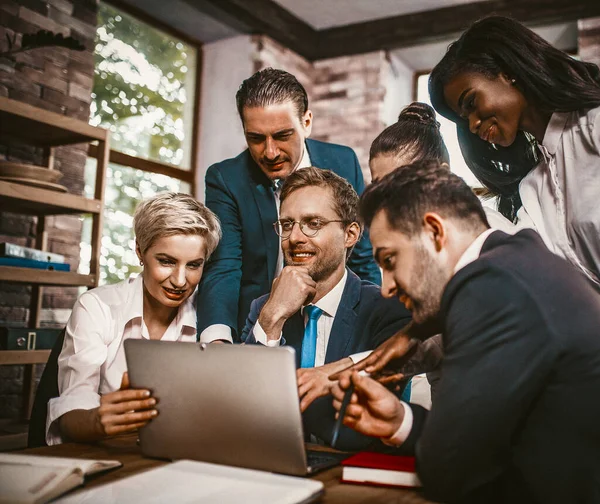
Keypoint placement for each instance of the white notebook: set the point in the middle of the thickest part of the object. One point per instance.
(32, 479)
(200, 482)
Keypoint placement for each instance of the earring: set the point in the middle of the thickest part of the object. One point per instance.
(141, 262)
(513, 81)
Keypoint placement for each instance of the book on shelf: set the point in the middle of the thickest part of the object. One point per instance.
(201, 482)
(13, 250)
(32, 263)
(33, 479)
(371, 468)
(23, 338)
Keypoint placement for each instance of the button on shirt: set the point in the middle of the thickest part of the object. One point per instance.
(92, 360)
(560, 195)
(222, 331)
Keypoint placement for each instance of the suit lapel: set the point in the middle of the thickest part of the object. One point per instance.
(293, 332)
(265, 202)
(318, 157)
(344, 324)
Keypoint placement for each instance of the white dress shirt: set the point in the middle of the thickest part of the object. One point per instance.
(560, 195)
(92, 360)
(469, 255)
(329, 303)
(222, 331)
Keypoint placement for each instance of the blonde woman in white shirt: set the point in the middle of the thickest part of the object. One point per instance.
(175, 235)
(528, 121)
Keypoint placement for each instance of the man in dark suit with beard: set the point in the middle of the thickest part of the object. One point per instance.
(516, 417)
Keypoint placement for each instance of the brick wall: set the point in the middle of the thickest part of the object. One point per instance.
(589, 39)
(345, 94)
(58, 80)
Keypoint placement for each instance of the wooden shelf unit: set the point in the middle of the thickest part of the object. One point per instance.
(45, 277)
(45, 129)
(24, 356)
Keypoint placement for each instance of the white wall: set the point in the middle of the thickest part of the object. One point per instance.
(398, 89)
(226, 64)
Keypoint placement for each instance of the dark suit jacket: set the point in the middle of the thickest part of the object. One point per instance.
(364, 320)
(242, 267)
(516, 417)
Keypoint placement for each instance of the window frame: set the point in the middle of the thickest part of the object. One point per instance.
(151, 166)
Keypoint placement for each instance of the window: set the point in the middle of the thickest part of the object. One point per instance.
(144, 93)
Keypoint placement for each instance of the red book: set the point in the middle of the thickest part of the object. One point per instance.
(380, 469)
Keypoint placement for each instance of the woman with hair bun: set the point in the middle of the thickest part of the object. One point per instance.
(414, 137)
(528, 122)
(175, 236)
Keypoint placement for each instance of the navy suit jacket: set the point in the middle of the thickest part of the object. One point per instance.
(364, 319)
(242, 267)
(516, 417)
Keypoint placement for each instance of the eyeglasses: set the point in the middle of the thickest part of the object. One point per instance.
(310, 227)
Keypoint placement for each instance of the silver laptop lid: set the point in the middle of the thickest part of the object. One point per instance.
(227, 404)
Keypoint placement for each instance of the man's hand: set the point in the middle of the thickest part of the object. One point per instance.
(125, 410)
(373, 410)
(314, 382)
(291, 290)
(393, 348)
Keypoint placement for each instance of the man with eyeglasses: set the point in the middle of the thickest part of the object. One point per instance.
(317, 304)
(244, 193)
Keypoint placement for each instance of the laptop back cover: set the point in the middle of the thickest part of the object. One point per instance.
(226, 404)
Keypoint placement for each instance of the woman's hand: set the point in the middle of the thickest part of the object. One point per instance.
(125, 410)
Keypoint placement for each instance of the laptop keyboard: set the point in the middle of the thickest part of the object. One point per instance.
(320, 460)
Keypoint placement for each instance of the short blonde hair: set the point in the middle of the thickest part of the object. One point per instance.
(171, 213)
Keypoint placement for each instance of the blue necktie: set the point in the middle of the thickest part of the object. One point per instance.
(309, 343)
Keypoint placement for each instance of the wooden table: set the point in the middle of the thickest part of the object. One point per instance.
(125, 449)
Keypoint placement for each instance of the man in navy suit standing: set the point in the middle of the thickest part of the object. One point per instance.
(317, 305)
(244, 193)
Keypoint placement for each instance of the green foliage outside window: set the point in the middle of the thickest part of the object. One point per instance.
(143, 93)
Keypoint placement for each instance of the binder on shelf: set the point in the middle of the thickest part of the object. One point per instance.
(32, 263)
(13, 250)
(22, 338)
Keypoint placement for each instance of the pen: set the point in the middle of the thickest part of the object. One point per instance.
(344, 405)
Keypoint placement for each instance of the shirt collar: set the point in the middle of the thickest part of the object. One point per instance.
(305, 162)
(554, 131)
(473, 251)
(136, 303)
(186, 315)
(330, 302)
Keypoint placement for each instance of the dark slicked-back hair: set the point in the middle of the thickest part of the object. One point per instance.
(345, 199)
(406, 195)
(270, 86)
(550, 80)
(416, 132)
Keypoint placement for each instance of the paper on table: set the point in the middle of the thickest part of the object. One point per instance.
(86, 466)
(32, 479)
(192, 482)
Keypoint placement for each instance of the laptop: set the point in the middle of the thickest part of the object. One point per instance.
(226, 404)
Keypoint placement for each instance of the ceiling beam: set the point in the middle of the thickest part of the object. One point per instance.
(264, 17)
(434, 25)
(269, 18)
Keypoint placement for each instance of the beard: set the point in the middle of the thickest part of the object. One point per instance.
(429, 279)
(321, 268)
